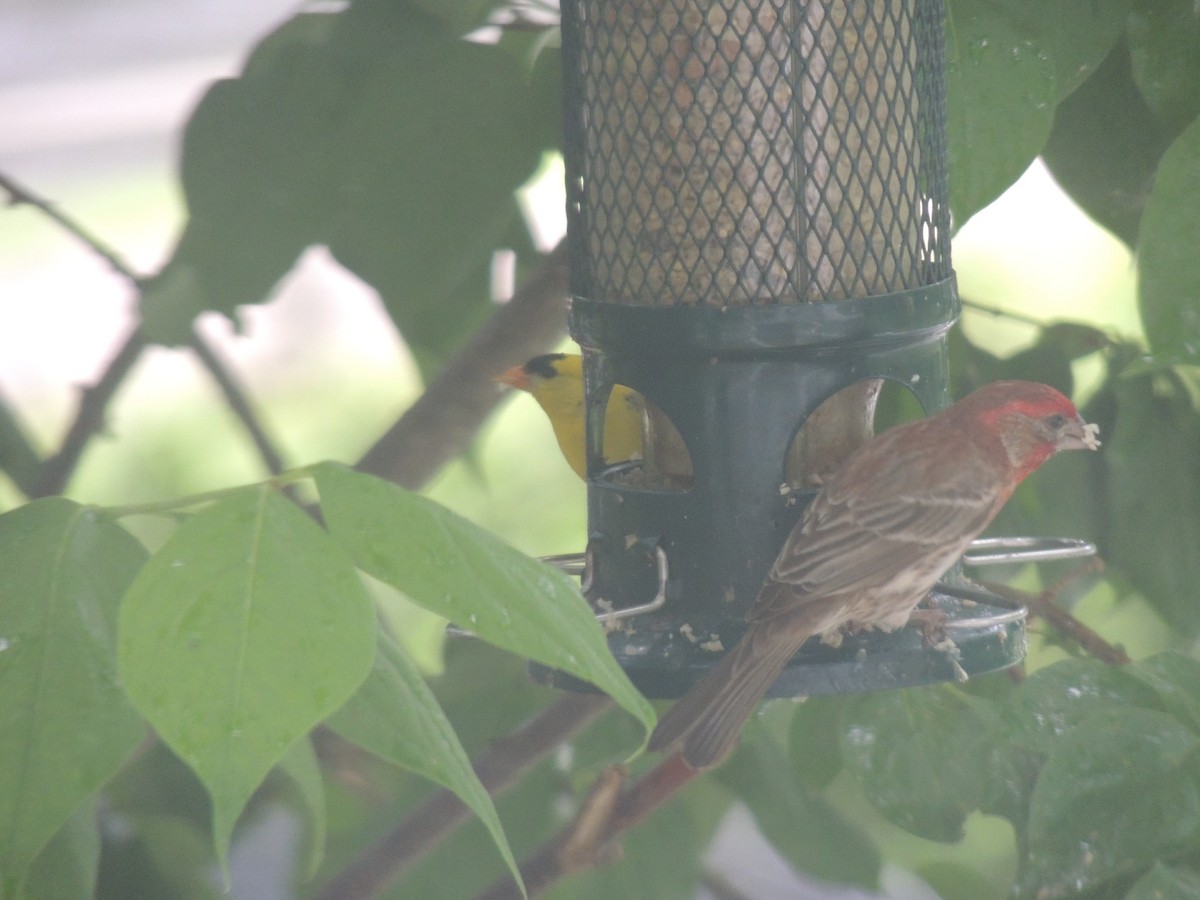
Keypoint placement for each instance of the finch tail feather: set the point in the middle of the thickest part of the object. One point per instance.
(709, 718)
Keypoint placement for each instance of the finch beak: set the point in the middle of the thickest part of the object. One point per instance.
(515, 377)
(1079, 435)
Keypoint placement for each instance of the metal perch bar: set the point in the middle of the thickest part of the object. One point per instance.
(984, 552)
(1005, 550)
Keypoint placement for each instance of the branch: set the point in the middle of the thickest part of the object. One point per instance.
(499, 767)
(1045, 605)
(998, 313)
(19, 195)
(18, 458)
(237, 401)
(444, 420)
(89, 420)
(609, 810)
(56, 471)
(437, 428)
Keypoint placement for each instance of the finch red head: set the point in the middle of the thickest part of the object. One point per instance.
(888, 523)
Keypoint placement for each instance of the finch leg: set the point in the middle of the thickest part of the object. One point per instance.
(932, 623)
(852, 628)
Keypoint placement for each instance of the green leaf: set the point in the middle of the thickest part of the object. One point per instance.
(460, 15)
(1175, 678)
(66, 868)
(1000, 102)
(531, 809)
(244, 631)
(1164, 44)
(1077, 34)
(1153, 489)
(167, 856)
(395, 716)
(512, 696)
(1168, 265)
(814, 745)
(1054, 701)
(914, 753)
(458, 570)
(378, 132)
(158, 826)
(158, 783)
(1165, 882)
(65, 724)
(302, 768)
(798, 821)
(466, 862)
(1048, 360)
(257, 186)
(431, 153)
(1036, 715)
(1115, 794)
(960, 881)
(1105, 146)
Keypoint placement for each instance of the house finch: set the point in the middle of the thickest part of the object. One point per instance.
(556, 382)
(886, 525)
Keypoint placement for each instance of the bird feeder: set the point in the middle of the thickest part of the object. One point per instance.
(758, 221)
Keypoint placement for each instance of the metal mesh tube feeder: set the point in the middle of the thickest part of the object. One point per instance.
(758, 221)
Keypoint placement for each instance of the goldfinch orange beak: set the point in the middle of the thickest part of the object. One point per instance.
(515, 377)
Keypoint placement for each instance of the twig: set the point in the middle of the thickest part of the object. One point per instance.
(18, 458)
(444, 420)
(500, 766)
(576, 847)
(236, 398)
(590, 839)
(438, 427)
(1044, 605)
(90, 418)
(997, 312)
(19, 195)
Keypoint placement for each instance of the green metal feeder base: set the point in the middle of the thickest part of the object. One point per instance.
(987, 635)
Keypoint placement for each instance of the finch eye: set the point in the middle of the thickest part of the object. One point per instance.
(1056, 421)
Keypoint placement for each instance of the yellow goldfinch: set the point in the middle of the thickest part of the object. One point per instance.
(556, 382)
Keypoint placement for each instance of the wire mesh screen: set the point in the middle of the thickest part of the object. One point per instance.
(734, 152)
